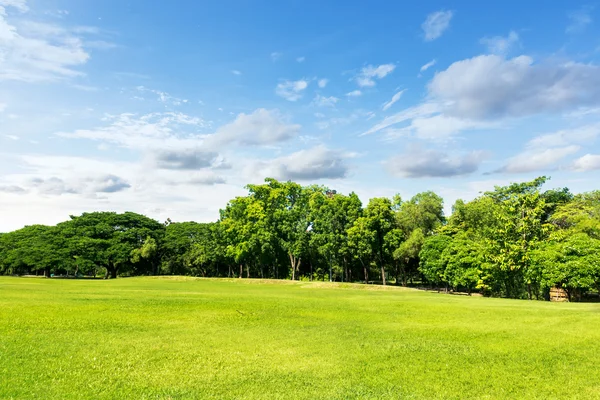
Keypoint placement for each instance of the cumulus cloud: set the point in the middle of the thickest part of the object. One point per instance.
(537, 159)
(588, 162)
(52, 186)
(185, 159)
(366, 77)
(34, 52)
(435, 24)
(420, 163)
(582, 135)
(262, 127)
(90, 185)
(322, 83)
(490, 86)
(306, 165)
(14, 189)
(500, 44)
(107, 184)
(291, 90)
(394, 99)
(206, 179)
(543, 152)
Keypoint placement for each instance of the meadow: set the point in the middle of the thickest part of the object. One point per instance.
(185, 338)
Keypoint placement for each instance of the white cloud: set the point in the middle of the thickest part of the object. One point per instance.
(163, 97)
(11, 137)
(582, 135)
(185, 159)
(100, 45)
(367, 75)
(262, 127)
(354, 93)
(428, 65)
(583, 112)
(151, 191)
(300, 59)
(420, 163)
(394, 99)
(500, 44)
(435, 24)
(37, 51)
(20, 5)
(322, 83)
(291, 90)
(545, 151)
(579, 20)
(2, 107)
(323, 101)
(345, 120)
(437, 127)
(147, 132)
(305, 165)
(423, 110)
(275, 56)
(588, 162)
(537, 159)
(236, 72)
(490, 86)
(172, 139)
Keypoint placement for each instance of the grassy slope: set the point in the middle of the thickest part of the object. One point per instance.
(149, 338)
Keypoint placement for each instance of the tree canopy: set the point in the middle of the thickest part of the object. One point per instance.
(515, 241)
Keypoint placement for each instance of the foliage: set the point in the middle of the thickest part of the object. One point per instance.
(514, 241)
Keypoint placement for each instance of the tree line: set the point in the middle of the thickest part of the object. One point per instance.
(516, 241)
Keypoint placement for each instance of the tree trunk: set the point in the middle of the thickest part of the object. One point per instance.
(383, 274)
(365, 271)
(241, 270)
(248, 271)
(111, 272)
(294, 262)
(229, 273)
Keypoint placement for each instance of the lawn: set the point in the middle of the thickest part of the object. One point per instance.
(160, 338)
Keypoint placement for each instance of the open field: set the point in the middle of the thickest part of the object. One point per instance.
(157, 338)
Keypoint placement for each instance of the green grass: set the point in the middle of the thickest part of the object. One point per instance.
(153, 338)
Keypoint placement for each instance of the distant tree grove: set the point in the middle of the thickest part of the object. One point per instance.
(516, 241)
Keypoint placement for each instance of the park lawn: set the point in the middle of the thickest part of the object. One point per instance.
(180, 338)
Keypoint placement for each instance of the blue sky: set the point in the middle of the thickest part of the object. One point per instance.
(170, 109)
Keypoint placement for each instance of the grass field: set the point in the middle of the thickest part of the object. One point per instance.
(153, 338)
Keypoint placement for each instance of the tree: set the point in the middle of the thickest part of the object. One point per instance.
(361, 241)
(331, 216)
(519, 215)
(431, 263)
(112, 237)
(408, 253)
(380, 218)
(463, 258)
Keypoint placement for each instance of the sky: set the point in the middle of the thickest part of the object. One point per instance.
(170, 108)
